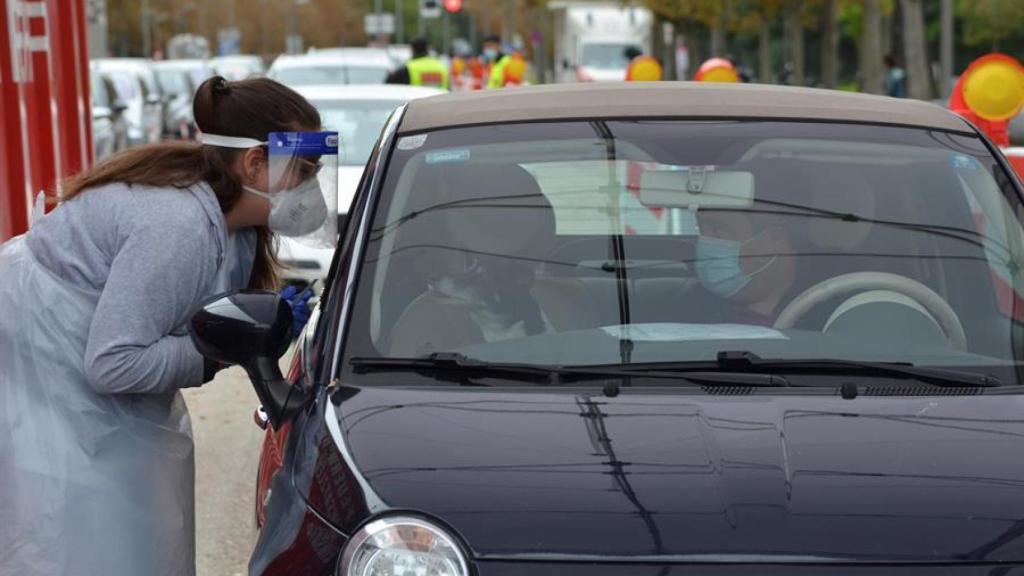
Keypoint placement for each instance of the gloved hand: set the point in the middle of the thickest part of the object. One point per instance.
(299, 303)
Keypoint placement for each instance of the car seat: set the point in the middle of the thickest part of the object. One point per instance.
(498, 228)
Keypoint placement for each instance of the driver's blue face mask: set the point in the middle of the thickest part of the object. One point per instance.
(718, 265)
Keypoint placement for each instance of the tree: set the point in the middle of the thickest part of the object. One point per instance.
(830, 44)
(989, 22)
(872, 78)
(915, 51)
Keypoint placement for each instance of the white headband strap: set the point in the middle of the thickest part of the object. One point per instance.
(229, 141)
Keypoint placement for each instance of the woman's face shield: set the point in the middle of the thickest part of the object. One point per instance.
(302, 167)
(299, 161)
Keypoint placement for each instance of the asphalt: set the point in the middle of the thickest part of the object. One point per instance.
(227, 453)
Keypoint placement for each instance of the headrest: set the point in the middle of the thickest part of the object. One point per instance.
(496, 209)
(844, 191)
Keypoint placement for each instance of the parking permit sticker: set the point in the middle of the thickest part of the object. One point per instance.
(412, 142)
(447, 156)
(963, 162)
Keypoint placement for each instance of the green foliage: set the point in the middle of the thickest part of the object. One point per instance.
(987, 23)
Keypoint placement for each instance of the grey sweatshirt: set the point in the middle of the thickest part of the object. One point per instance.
(152, 254)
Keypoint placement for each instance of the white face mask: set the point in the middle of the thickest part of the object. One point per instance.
(296, 211)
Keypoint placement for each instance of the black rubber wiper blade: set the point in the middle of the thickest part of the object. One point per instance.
(935, 376)
(459, 368)
(743, 361)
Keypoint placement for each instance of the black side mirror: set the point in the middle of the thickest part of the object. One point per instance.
(118, 106)
(251, 328)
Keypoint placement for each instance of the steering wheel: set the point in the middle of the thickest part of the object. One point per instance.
(856, 282)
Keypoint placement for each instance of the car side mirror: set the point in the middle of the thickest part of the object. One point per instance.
(101, 113)
(154, 99)
(251, 328)
(118, 106)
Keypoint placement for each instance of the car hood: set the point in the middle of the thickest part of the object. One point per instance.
(674, 474)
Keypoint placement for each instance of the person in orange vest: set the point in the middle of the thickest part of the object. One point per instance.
(642, 68)
(422, 69)
(505, 69)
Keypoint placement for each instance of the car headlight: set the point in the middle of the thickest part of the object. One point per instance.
(402, 546)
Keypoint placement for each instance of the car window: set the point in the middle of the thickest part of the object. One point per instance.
(126, 85)
(358, 123)
(606, 55)
(98, 90)
(552, 243)
(173, 81)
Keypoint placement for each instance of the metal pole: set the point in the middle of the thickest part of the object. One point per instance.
(399, 24)
(446, 27)
(946, 50)
(147, 31)
(421, 25)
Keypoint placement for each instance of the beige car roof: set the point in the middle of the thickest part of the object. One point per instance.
(670, 99)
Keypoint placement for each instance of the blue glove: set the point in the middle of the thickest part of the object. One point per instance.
(299, 303)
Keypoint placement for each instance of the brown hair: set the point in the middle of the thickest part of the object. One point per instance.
(247, 108)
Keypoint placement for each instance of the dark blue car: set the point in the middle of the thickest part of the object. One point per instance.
(667, 329)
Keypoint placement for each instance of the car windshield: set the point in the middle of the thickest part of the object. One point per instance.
(557, 243)
(321, 75)
(358, 123)
(173, 81)
(610, 56)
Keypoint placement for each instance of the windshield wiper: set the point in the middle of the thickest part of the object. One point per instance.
(742, 361)
(459, 368)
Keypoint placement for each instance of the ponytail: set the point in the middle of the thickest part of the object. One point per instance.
(247, 108)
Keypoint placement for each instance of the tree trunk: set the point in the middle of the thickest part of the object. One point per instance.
(915, 50)
(946, 78)
(764, 52)
(795, 28)
(718, 37)
(871, 49)
(829, 44)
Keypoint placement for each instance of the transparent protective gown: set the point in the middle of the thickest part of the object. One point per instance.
(90, 484)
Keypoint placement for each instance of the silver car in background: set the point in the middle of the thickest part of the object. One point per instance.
(136, 85)
(179, 80)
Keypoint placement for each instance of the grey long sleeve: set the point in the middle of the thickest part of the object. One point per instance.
(153, 254)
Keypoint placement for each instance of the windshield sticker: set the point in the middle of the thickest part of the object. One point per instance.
(667, 332)
(962, 161)
(447, 156)
(412, 142)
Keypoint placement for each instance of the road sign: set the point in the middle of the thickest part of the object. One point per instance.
(379, 23)
(430, 9)
(453, 6)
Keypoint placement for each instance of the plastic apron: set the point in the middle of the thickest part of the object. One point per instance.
(90, 484)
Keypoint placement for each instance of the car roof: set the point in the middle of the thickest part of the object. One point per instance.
(671, 100)
(366, 92)
(300, 60)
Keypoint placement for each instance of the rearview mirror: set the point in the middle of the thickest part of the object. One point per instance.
(697, 186)
(251, 328)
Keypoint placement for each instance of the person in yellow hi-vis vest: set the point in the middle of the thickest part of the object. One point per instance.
(422, 69)
(505, 69)
(642, 68)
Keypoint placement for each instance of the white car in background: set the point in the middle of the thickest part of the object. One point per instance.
(331, 67)
(238, 66)
(358, 113)
(136, 85)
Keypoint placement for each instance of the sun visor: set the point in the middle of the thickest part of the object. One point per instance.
(697, 186)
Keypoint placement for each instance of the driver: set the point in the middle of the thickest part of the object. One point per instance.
(747, 260)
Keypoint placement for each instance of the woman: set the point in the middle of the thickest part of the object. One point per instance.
(96, 455)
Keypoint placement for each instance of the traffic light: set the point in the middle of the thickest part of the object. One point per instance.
(453, 6)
